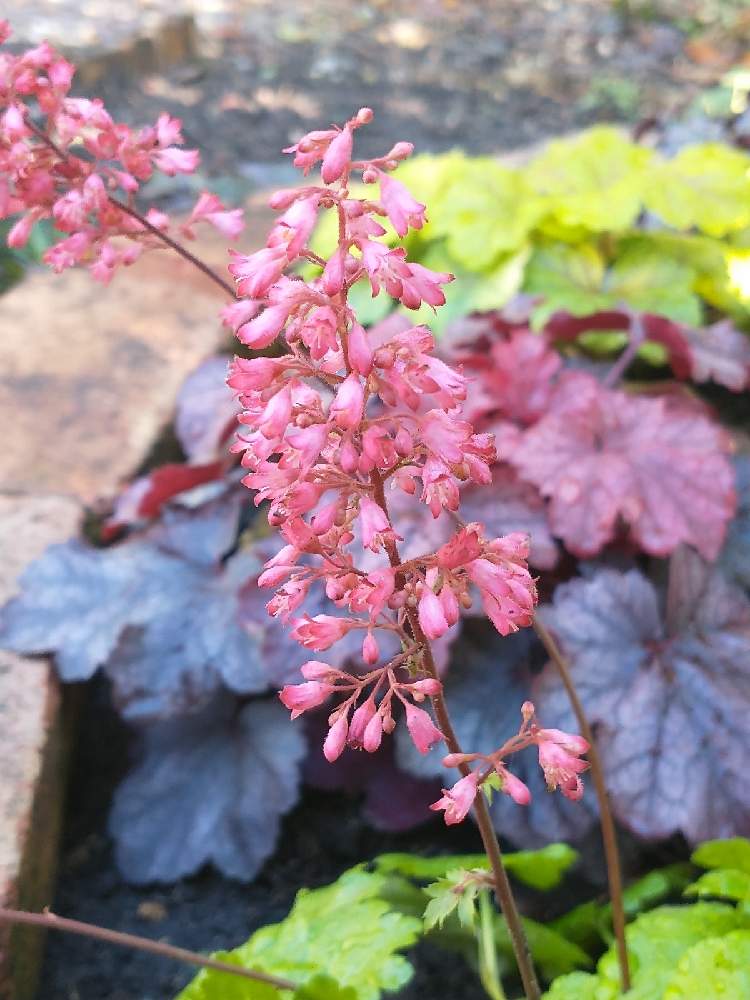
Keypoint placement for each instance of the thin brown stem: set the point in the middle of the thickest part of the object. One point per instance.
(501, 883)
(174, 245)
(609, 835)
(51, 921)
(135, 214)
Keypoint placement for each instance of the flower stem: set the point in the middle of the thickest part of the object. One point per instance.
(609, 835)
(501, 883)
(51, 921)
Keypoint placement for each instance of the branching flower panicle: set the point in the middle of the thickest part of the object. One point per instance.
(65, 159)
(336, 425)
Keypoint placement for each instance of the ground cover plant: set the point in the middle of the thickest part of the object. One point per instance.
(412, 492)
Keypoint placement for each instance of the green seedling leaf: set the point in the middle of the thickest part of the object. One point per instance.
(727, 883)
(345, 931)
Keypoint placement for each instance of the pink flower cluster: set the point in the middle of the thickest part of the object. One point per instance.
(339, 421)
(559, 758)
(64, 158)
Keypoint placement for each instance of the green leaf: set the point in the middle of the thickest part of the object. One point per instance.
(654, 887)
(658, 940)
(718, 967)
(568, 278)
(344, 930)
(487, 211)
(586, 925)
(574, 279)
(706, 186)
(456, 892)
(648, 281)
(731, 853)
(210, 984)
(553, 953)
(324, 988)
(542, 869)
(595, 180)
(728, 883)
(577, 986)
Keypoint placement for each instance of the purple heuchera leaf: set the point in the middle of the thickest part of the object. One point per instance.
(488, 681)
(670, 700)
(735, 559)
(160, 612)
(206, 411)
(210, 787)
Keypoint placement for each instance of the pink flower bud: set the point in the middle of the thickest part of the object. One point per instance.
(336, 740)
(316, 670)
(347, 408)
(264, 329)
(333, 273)
(360, 352)
(449, 604)
(431, 616)
(364, 116)
(276, 414)
(430, 686)
(373, 734)
(360, 719)
(513, 786)
(337, 156)
(370, 651)
(422, 729)
(324, 519)
(281, 200)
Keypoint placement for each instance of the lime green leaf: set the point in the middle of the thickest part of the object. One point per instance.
(707, 186)
(658, 940)
(553, 953)
(542, 869)
(568, 278)
(587, 925)
(723, 882)
(324, 988)
(574, 279)
(718, 967)
(654, 887)
(595, 180)
(731, 853)
(646, 280)
(210, 984)
(488, 210)
(578, 986)
(345, 931)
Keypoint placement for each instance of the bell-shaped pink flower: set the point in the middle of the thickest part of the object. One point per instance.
(422, 729)
(401, 208)
(337, 156)
(264, 329)
(298, 698)
(458, 800)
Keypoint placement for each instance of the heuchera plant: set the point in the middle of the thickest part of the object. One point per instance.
(328, 427)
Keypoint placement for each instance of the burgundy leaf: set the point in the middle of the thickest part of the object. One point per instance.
(670, 702)
(210, 787)
(603, 456)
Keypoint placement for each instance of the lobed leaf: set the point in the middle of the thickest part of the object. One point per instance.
(670, 702)
(345, 931)
(209, 787)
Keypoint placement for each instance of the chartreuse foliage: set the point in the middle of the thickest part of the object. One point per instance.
(696, 951)
(343, 942)
(345, 931)
(568, 226)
